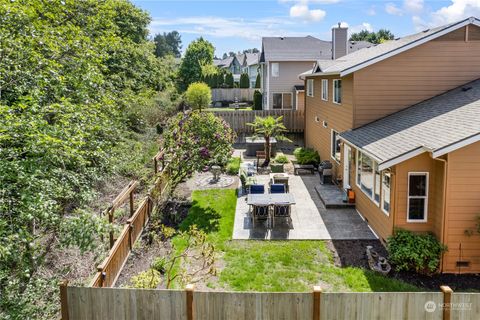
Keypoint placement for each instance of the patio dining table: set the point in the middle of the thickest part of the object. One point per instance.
(270, 199)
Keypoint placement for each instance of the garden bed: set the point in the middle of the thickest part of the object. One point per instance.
(351, 253)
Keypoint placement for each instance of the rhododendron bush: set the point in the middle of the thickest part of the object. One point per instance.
(194, 141)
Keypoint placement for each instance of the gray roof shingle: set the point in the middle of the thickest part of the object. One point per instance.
(302, 48)
(432, 125)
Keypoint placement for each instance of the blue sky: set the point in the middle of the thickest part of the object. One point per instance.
(233, 25)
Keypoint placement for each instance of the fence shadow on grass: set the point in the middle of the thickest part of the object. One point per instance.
(206, 219)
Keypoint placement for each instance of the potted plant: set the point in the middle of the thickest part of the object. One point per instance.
(278, 163)
(306, 156)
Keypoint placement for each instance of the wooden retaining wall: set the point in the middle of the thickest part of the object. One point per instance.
(139, 304)
(233, 94)
(293, 120)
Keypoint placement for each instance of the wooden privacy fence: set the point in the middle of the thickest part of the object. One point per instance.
(293, 120)
(120, 248)
(233, 94)
(139, 304)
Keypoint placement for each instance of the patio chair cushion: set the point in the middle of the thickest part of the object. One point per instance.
(257, 189)
(277, 188)
(281, 210)
(260, 212)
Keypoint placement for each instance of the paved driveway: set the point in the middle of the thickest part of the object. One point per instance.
(310, 219)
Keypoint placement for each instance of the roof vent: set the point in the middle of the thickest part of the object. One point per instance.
(426, 30)
(282, 38)
(466, 88)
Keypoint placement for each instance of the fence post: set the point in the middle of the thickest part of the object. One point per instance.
(189, 290)
(130, 241)
(447, 299)
(132, 209)
(64, 300)
(317, 291)
(110, 220)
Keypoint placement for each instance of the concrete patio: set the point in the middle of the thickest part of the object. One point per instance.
(310, 220)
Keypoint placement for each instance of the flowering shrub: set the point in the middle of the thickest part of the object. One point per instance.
(194, 141)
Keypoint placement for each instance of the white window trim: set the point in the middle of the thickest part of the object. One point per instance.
(382, 201)
(278, 70)
(332, 146)
(372, 197)
(291, 101)
(333, 91)
(375, 168)
(324, 89)
(312, 87)
(425, 218)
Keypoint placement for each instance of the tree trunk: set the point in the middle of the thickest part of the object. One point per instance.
(267, 151)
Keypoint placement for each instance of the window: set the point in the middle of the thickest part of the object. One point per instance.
(376, 193)
(335, 147)
(386, 192)
(282, 101)
(275, 69)
(337, 91)
(310, 84)
(325, 89)
(365, 174)
(417, 196)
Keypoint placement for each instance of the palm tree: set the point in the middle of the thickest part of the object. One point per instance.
(269, 127)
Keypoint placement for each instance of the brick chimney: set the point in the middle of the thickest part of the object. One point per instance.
(339, 41)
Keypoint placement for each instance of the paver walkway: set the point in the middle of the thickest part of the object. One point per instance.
(310, 219)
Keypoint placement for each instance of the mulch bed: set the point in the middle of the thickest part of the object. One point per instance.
(352, 253)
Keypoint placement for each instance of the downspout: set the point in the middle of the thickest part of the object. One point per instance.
(444, 205)
(394, 207)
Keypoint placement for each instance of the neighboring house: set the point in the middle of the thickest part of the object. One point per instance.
(283, 58)
(250, 66)
(400, 122)
(231, 64)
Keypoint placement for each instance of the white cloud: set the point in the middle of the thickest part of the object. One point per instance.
(371, 11)
(357, 28)
(414, 6)
(252, 30)
(458, 10)
(302, 11)
(311, 1)
(364, 26)
(392, 9)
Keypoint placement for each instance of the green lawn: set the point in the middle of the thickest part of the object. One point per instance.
(274, 265)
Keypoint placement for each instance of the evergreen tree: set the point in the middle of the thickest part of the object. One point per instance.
(229, 80)
(258, 81)
(244, 81)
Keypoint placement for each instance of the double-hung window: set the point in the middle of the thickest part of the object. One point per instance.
(417, 196)
(337, 91)
(325, 89)
(386, 181)
(275, 69)
(310, 85)
(335, 146)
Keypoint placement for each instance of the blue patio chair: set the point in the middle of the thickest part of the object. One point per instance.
(277, 188)
(257, 189)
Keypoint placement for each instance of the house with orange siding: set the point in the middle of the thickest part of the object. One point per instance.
(400, 122)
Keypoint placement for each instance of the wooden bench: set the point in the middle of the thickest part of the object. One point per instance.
(306, 167)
